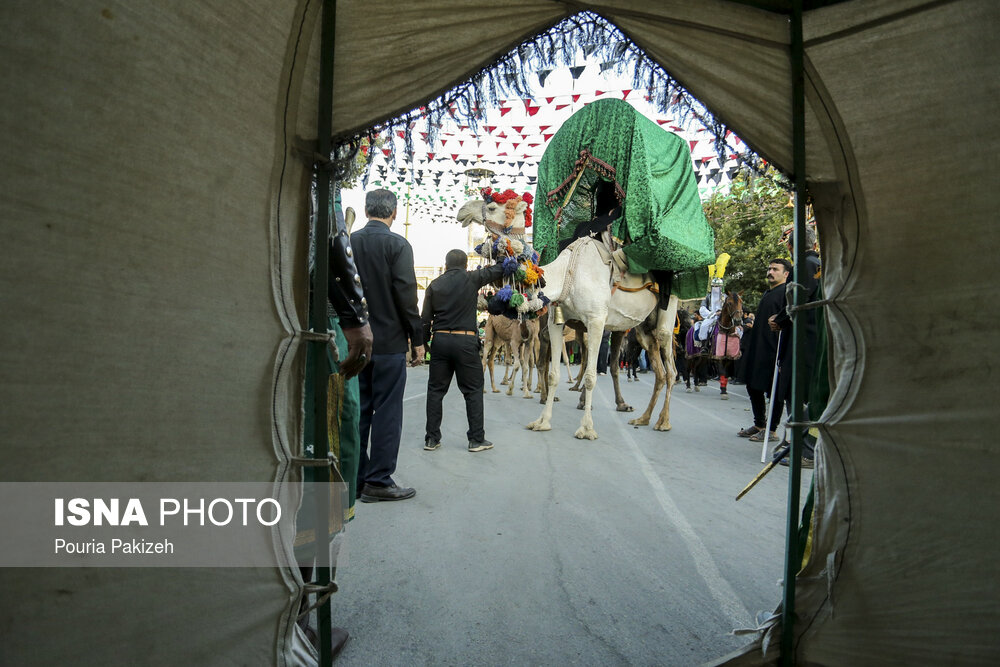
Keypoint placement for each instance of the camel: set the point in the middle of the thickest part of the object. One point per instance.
(580, 279)
(501, 332)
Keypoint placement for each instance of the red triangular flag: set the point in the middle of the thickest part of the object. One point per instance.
(542, 128)
(598, 93)
(549, 99)
(454, 156)
(385, 151)
(430, 156)
(490, 128)
(444, 141)
(576, 98)
(561, 106)
(546, 137)
(501, 154)
(693, 144)
(527, 104)
(662, 121)
(401, 134)
(625, 93)
(504, 111)
(517, 128)
(532, 110)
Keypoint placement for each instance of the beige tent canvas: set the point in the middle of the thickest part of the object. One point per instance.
(154, 211)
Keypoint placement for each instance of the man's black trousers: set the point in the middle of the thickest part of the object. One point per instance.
(458, 355)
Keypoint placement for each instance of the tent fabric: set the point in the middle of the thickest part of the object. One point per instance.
(155, 215)
(662, 222)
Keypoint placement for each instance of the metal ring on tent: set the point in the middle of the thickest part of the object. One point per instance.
(328, 337)
(327, 591)
(811, 305)
(312, 463)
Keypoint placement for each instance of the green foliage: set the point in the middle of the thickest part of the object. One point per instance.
(748, 220)
(359, 164)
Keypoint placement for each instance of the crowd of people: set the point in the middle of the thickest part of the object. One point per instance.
(373, 291)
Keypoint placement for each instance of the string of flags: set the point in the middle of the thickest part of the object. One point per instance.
(509, 144)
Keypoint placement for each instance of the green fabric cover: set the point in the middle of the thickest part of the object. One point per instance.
(662, 226)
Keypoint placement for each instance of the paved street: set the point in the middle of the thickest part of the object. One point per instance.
(627, 550)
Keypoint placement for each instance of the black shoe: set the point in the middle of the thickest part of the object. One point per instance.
(430, 444)
(374, 494)
(479, 446)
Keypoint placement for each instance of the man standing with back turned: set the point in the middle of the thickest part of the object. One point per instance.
(450, 311)
(385, 267)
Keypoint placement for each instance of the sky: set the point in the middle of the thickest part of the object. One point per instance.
(509, 142)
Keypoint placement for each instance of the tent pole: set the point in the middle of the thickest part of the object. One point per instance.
(319, 323)
(792, 556)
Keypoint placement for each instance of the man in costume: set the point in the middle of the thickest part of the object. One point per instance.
(762, 350)
(385, 268)
(449, 314)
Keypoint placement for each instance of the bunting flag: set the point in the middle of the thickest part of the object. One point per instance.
(542, 75)
(575, 72)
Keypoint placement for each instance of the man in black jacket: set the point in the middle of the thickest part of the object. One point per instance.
(450, 313)
(762, 350)
(782, 321)
(385, 268)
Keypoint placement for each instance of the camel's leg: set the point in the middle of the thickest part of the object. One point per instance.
(649, 343)
(584, 357)
(545, 352)
(489, 361)
(512, 348)
(665, 337)
(527, 366)
(544, 421)
(617, 338)
(586, 430)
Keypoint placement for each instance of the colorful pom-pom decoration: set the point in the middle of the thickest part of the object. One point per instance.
(516, 299)
(505, 293)
(509, 266)
(530, 275)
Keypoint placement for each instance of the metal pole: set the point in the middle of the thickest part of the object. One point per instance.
(319, 317)
(792, 556)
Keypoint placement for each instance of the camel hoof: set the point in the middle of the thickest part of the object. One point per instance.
(662, 427)
(584, 433)
(689, 390)
(697, 388)
(625, 408)
(528, 396)
(540, 425)
(639, 421)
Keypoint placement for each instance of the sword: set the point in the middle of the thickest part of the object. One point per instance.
(782, 453)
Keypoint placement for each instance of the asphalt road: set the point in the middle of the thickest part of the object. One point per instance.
(626, 550)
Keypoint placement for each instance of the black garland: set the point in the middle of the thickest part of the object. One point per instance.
(508, 76)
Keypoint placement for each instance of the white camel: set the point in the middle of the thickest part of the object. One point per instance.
(580, 280)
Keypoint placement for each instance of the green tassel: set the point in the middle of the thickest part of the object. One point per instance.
(516, 299)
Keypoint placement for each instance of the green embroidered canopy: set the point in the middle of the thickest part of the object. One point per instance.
(662, 224)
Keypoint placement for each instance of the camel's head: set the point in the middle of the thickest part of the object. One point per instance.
(500, 212)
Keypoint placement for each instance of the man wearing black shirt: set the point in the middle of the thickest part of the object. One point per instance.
(450, 313)
(385, 268)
